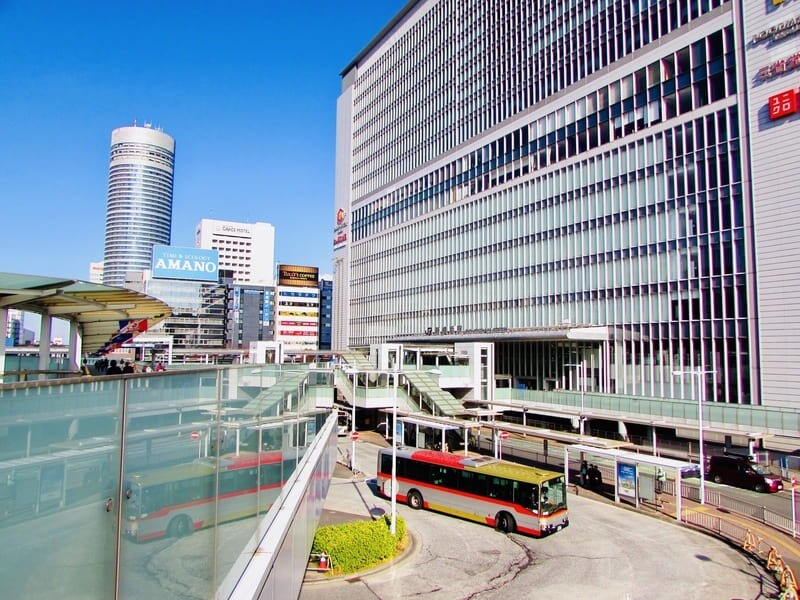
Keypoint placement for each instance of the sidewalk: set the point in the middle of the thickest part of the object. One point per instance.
(718, 522)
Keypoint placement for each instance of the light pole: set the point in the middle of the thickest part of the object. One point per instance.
(353, 425)
(582, 385)
(392, 527)
(701, 382)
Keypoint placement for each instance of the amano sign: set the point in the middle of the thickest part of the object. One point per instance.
(195, 264)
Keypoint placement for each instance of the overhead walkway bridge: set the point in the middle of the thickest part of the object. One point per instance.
(416, 390)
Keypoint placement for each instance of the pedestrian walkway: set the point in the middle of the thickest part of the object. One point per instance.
(747, 533)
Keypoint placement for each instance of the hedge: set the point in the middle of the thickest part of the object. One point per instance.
(359, 545)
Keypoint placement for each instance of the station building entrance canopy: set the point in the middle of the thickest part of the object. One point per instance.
(100, 316)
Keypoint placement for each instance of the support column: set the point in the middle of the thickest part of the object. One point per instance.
(75, 345)
(4, 330)
(44, 344)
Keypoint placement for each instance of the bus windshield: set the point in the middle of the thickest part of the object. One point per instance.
(553, 495)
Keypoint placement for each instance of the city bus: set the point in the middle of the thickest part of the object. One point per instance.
(177, 500)
(68, 475)
(507, 496)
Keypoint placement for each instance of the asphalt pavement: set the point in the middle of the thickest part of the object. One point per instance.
(609, 551)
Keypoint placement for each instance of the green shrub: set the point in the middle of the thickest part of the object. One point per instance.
(359, 545)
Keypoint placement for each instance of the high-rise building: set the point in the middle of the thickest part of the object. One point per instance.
(250, 315)
(297, 298)
(605, 184)
(95, 272)
(139, 210)
(247, 249)
(325, 311)
(14, 327)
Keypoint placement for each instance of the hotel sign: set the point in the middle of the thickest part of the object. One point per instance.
(194, 264)
(340, 229)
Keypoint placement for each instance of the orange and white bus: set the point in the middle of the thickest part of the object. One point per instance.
(504, 495)
(174, 501)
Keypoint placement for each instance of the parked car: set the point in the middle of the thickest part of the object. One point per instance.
(690, 471)
(739, 471)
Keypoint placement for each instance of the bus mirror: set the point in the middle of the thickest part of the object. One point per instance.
(128, 493)
(109, 504)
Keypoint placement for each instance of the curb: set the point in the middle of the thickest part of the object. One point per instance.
(322, 579)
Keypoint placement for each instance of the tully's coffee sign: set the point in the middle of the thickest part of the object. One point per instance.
(294, 275)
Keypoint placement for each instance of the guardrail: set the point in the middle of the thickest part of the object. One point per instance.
(757, 512)
(752, 544)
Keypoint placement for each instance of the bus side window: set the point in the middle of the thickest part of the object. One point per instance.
(386, 463)
(444, 476)
(527, 495)
(501, 489)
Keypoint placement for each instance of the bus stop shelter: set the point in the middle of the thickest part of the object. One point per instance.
(627, 470)
(439, 424)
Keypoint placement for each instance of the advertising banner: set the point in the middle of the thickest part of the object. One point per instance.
(194, 264)
(626, 480)
(298, 276)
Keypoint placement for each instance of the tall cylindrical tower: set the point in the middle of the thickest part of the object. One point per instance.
(139, 210)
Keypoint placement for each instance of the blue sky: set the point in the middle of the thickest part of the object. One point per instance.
(247, 89)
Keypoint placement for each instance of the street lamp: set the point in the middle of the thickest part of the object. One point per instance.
(353, 424)
(392, 527)
(582, 385)
(701, 382)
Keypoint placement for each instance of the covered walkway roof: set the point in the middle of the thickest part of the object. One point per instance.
(103, 312)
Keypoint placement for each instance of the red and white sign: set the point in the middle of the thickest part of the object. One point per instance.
(503, 435)
(195, 435)
(354, 436)
(783, 104)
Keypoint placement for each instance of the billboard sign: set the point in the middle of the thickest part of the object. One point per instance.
(194, 264)
(293, 275)
(626, 480)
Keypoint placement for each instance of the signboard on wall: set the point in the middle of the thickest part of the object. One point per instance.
(626, 480)
(783, 104)
(298, 276)
(194, 264)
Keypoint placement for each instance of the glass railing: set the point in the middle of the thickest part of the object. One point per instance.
(148, 486)
(748, 419)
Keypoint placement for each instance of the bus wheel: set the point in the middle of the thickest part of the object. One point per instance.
(415, 500)
(505, 522)
(179, 527)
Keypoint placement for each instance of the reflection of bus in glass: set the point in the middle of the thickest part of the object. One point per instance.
(40, 483)
(504, 495)
(177, 500)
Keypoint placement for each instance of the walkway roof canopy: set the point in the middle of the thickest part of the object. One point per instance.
(103, 312)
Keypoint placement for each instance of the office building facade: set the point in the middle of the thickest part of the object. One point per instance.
(246, 249)
(325, 312)
(583, 183)
(251, 315)
(139, 209)
(297, 306)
